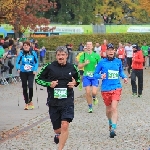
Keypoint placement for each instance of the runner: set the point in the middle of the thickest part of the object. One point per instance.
(89, 60)
(103, 49)
(137, 71)
(111, 69)
(27, 65)
(129, 55)
(82, 69)
(121, 53)
(60, 77)
(144, 49)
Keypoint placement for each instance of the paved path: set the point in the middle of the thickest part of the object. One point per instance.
(32, 130)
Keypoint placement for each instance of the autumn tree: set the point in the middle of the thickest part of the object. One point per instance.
(120, 12)
(145, 4)
(23, 15)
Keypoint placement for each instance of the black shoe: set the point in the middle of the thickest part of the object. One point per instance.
(112, 134)
(56, 139)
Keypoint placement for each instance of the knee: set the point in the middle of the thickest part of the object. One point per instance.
(94, 93)
(108, 110)
(113, 109)
(64, 126)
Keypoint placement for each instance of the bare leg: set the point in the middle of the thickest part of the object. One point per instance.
(114, 111)
(64, 134)
(94, 91)
(88, 95)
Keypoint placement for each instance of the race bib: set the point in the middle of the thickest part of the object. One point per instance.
(27, 67)
(120, 56)
(104, 54)
(60, 93)
(89, 74)
(113, 74)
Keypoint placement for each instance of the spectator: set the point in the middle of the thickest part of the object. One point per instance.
(103, 49)
(6, 41)
(144, 49)
(42, 55)
(81, 47)
(97, 48)
(2, 51)
(69, 49)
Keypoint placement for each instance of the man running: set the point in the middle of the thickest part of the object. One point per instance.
(60, 77)
(137, 71)
(89, 60)
(129, 55)
(109, 70)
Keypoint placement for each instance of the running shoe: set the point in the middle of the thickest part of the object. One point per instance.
(112, 134)
(90, 110)
(139, 96)
(95, 101)
(56, 139)
(134, 94)
(80, 86)
(31, 106)
(26, 107)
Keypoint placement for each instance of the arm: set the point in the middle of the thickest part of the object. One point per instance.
(76, 76)
(42, 77)
(121, 72)
(36, 62)
(98, 68)
(82, 61)
(18, 60)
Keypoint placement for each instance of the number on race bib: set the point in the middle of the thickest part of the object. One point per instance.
(60, 93)
(113, 74)
(89, 74)
(120, 56)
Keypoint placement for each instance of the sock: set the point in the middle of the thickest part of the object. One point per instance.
(90, 106)
(110, 122)
(93, 97)
(114, 126)
(57, 135)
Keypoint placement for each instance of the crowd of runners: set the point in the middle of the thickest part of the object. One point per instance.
(103, 62)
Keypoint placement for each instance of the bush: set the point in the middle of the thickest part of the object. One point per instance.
(52, 42)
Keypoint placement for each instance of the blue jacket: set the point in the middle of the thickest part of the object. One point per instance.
(113, 70)
(27, 62)
(42, 52)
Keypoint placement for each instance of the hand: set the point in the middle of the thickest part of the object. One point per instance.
(53, 84)
(86, 62)
(34, 72)
(125, 80)
(103, 76)
(72, 84)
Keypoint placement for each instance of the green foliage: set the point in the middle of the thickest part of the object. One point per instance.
(73, 12)
(52, 42)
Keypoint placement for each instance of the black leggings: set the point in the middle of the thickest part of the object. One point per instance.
(129, 63)
(139, 74)
(27, 79)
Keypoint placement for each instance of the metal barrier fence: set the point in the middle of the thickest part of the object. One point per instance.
(8, 71)
(8, 75)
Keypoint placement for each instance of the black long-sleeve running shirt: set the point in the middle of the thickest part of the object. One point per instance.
(63, 73)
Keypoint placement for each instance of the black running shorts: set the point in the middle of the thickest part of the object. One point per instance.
(61, 113)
